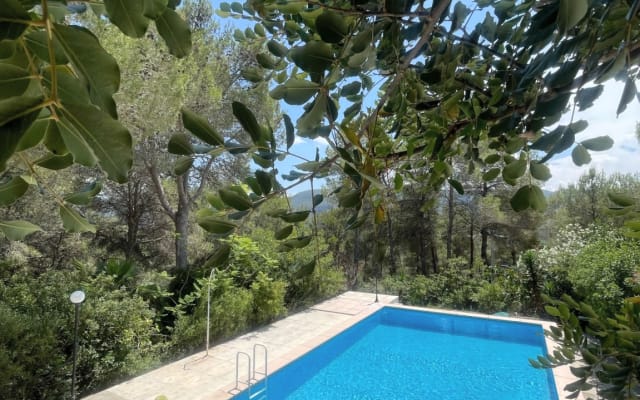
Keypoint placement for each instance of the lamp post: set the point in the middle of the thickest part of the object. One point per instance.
(211, 275)
(76, 298)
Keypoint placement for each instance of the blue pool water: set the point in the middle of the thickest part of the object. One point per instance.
(406, 354)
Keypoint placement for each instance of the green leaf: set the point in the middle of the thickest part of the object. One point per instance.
(12, 15)
(299, 91)
(154, 8)
(264, 180)
(539, 171)
(180, 144)
(175, 32)
(235, 200)
(305, 270)
(13, 80)
(314, 57)
(54, 162)
(34, 135)
(398, 182)
(17, 107)
(317, 200)
(128, 16)
(580, 155)
(313, 117)
(219, 257)
(248, 122)
(457, 186)
(107, 139)
(17, 230)
(53, 139)
(537, 201)
(96, 67)
(514, 170)
(12, 190)
(331, 26)
(628, 95)
(73, 222)
(200, 128)
(528, 196)
(586, 96)
(570, 13)
(84, 196)
(351, 89)
(491, 174)
(295, 243)
(599, 143)
(296, 216)
(182, 165)
(277, 49)
(215, 225)
(289, 130)
(13, 131)
(620, 199)
(283, 233)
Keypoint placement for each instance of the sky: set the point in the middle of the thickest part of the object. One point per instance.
(621, 158)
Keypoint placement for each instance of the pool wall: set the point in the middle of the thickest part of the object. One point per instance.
(287, 379)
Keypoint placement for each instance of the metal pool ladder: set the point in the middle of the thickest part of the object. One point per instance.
(252, 382)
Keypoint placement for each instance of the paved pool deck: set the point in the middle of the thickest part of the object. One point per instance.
(211, 376)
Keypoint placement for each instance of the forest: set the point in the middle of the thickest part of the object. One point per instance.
(138, 163)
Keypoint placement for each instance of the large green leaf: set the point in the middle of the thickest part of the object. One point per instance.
(128, 16)
(175, 32)
(71, 90)
(73, 222)
(13, 80)
(87, 129)
(182, 165)
(16, 116)
(299, 91)
(580, 155)
(154, 8)
(12, 13)
(53, 138)
(491, 174)
(295, 243)
(314, 57)
(235, 199)
(38, 43)
(248, 122)
(180, 144)
(331, 26)
(96, 67)
(289, 131)
(628, 94)
(54, 162)
(296, 216)
(200, 127)
(18, 230)
(265, 181)
(599, 143)
(514, 170)
(284, 232)
(216, 225)
(539, 171)
(313, 117)
(85, 195)
(219, 257)
(305, 270)
(528, 196)
(12, 190)
(570, 13)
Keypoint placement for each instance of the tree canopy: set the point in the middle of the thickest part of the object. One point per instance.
(402, 86)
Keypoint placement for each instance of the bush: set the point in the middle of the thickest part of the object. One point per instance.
(268, 298)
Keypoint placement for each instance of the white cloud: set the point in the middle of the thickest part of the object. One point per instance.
(622, 157)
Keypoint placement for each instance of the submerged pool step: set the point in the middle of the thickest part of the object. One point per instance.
(259, 395)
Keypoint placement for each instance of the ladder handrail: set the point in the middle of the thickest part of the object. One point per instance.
(248, 382)
(255, 370)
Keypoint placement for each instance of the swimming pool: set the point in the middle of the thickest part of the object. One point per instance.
(399, 353)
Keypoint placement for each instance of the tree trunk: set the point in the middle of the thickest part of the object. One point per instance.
(393, 266)
(182, 223)
(471, 242)
(422, 252)
(484, 235)
(450, 221)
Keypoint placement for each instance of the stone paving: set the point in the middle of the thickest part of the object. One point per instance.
(212, 376)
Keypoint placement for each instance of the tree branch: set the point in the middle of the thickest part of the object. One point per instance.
(157, 188)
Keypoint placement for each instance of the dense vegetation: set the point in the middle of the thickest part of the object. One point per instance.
(114, 153)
